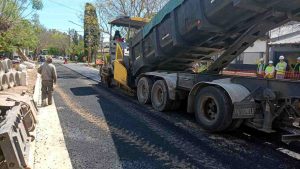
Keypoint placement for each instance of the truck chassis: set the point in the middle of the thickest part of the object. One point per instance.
(223, 103)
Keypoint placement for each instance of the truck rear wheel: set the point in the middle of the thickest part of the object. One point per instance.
(160, 96)
(144, 88)
(213, 109)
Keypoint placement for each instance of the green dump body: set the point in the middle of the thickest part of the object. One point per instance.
(185, 31)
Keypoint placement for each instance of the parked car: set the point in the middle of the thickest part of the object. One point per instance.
(16, 60)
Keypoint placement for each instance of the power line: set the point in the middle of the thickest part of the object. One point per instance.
(63, 5)
(76, 24)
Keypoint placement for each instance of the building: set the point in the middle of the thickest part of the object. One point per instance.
(284, 40)
(252, 55)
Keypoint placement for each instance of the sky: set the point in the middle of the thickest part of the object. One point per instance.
(57, 14)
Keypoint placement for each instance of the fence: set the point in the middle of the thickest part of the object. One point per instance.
(250, 73)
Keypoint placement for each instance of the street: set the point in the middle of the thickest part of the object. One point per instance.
(105, 128)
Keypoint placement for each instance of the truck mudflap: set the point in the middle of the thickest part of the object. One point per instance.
(244, 110)
(237, 93)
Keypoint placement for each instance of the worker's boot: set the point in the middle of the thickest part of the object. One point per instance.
(44, 98)
(50, 98)
(44, 103)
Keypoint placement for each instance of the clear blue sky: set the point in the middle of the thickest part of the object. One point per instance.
(56, 14)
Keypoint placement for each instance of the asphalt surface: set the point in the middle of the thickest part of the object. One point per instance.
(105, 128)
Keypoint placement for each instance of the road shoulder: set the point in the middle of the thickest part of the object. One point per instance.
(50, 147)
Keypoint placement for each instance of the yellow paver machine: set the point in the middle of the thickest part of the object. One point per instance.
(115, 67)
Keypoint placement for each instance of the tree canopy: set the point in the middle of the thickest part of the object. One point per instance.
(22, 35)
(16, 31)
(110, 9)
(12, 11)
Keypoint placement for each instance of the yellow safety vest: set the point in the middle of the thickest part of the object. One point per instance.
(295, 68)
(201, 68)
(281, 68)
(262, 66)
(270, 70)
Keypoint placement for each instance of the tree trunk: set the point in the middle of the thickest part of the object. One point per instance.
(22, 55)
(89, 55)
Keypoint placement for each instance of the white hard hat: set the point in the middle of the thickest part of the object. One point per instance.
(271, 62)
(298, 58)
(261, 59)
(281, 57)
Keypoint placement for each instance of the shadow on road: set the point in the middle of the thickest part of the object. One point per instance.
(83, 91)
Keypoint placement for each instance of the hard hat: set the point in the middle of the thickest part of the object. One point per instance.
(271, 62)
(298, 58)
(261, 59)
(281, 58)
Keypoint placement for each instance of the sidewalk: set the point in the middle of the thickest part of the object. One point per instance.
(50, 148)
(83, 69)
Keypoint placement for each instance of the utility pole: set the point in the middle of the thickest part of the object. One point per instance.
(268, 47)
(70, 40)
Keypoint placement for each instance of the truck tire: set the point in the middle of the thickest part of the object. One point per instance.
(144, 88)
(160, 96)
(213, 109)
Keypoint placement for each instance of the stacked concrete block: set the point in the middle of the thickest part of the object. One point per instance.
(10, 78)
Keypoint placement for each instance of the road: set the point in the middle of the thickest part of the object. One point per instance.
(105, 128)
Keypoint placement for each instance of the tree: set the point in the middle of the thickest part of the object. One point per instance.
(12, 11)
(20, 36)
(91, 32)
(110, 9)
(76, 44)
(56, 42)
(8, 13)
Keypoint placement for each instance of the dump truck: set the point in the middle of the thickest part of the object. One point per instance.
(163, 51)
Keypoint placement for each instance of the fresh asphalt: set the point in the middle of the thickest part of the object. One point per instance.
(105, 128)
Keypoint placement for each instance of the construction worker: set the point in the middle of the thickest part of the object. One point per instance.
(196, 68)
(202, 67)
(270, 71)
(297, 69)
(261, 68)
(48, 74)
(76, 59)
(281, 68)
(65, 60)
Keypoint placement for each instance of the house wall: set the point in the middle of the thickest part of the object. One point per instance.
(252, 54)
(291, 53)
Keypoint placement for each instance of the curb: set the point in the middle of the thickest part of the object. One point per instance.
(37, 100)
(37, 91)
